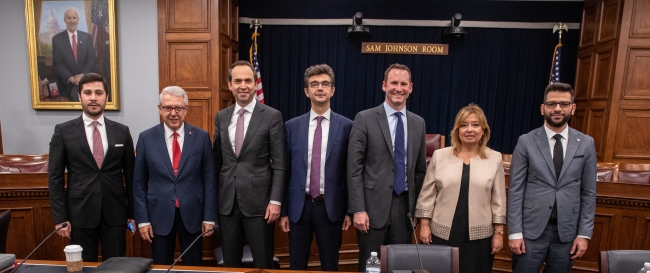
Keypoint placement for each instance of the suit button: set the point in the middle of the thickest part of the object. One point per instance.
(550, 207)
(390, 187)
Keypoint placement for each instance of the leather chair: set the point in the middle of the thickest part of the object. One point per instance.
(246, 260)
(623, 261)
(24, 163)
(5, 218)
(505, 161)
(433, 142)
(435, 258)
(634, 173)
(607, 171)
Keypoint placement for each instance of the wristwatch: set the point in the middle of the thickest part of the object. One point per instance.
(499, 231)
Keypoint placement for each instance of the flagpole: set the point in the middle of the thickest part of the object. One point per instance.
(259, 91)
(555, 62)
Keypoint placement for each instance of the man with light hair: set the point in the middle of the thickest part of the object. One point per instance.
(174, 186)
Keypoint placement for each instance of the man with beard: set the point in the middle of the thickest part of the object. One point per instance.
(552, 193)
(98, 154)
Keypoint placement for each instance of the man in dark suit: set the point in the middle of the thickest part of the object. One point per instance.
(552, 193)
(249, 158)
(386, 166)
(98, 154)
(73, 55)
(316, 199)
(173, 187)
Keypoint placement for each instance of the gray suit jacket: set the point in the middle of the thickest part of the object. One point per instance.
(533, 188)
(258, 174)
(371, 170)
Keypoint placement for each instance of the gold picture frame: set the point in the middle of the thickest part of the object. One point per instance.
(54, 64)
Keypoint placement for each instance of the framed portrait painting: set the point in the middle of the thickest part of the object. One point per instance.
(65, 40)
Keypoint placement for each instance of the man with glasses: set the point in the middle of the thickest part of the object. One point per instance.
(249, 159)
(174, 186)
(552, 193)
(316, 199)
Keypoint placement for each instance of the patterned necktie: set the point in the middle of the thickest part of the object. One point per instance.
(314, 175)
(176, 154)
(558, 155)
(400, 166)
(98, 146)
(74, 46)
(239, 131)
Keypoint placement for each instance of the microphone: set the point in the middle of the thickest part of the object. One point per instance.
(410, 216)
(215, 227)
(39, 245)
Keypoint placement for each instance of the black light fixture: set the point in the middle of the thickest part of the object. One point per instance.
(455, 28)
(357, 28)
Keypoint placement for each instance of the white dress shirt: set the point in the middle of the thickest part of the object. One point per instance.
(232, 128)
(101, 126)
(392, 125)
(325, 126)
(70, 37)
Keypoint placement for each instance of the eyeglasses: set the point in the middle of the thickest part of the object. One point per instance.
(323, 84)
(563, 104)
(178, 109)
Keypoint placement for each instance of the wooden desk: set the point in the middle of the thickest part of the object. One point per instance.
(155, 268)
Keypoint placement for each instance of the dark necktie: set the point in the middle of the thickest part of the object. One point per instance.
(74, 46)
(176, 154)
(400, 166)
(314, 174)
(558, 155)
(98, 146)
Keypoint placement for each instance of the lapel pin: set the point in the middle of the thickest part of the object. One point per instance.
(578, 139)
(191, 133)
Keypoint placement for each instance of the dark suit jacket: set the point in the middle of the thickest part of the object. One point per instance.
(64, 63)
(91, 189)
(156, 188)
(257, 175)
(371, 167)
(533, 188)
(336, 191)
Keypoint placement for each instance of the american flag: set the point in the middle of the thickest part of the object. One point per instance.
(259, 91)
(98, 32)
(555, 68)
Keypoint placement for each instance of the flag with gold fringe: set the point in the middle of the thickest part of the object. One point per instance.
(259, 91)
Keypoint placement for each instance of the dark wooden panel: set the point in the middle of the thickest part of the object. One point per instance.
(589, 23)
(596, 129)
(633, 134)
(583, 74)
(578, 119)
(641, 19)
(603, 73)
(609, 22)
(234, 20)
(637, 82)
(199, 113)
(189, 65)
(188, 15)
(22, 229)
(225, 62)
(224, 17)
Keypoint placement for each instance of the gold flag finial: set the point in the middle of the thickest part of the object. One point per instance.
(559, 27)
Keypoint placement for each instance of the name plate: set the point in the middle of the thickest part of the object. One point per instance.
(405, 48)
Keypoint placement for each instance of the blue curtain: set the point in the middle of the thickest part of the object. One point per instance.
(504, 71)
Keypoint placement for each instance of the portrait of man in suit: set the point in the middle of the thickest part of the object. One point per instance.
(173, 185)
(386, 166)
(73, 55)
(315, 202)
(249, 158)
(98, 154)
(552, 193)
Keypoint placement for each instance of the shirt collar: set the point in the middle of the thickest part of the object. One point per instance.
(88, 121)
(169, 132)
(71, 33)
(390, 111)
(550, 134)
(313, 115)
(250, 107)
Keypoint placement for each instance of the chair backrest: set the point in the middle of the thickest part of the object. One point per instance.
(607, 171)
(433, 142)
(435, 258)
(24, 163)
(505, 161)
(634, 173)
(623, 261)
(5, 218)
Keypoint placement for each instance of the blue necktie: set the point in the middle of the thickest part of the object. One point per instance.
(400, 166)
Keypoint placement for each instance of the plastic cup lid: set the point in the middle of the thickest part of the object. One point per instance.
(73, 248)
(647, 264)
(373, 253)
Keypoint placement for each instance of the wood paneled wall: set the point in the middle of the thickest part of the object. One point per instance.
(197, 42)
(612, 83)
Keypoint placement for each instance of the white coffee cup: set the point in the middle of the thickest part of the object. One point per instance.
(73, 257)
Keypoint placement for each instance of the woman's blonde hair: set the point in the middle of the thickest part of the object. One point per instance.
(482, 120)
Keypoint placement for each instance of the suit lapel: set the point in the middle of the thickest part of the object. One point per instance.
(545, 150)
(334, 130)
(162, 148)
(111, 136)
(188, 143)
(223, 124)
(256, 118)
(304, 137)
(411, 140)
(382, 120)
(79, 131)
(572, 146)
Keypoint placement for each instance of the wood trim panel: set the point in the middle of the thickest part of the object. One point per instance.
(188, 16)
(601, 87)
(596, 129)
(578, 119)
(637, 82)
(640, 22)
(584, 74)
(589, 23)
(633, 134)
(189, 65)
(610, 13)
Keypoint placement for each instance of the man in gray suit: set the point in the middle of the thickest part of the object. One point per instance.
(386, 166)
(552, 193)
(249, 158)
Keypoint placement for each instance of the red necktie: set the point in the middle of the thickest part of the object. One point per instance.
(176, 154)
(98, 146)
(74, 46)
